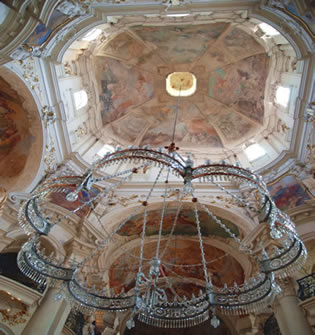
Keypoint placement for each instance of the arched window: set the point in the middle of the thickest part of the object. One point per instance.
(254, 151)
(80, 99)
(283, 96)
(268, 30)
(92, 35)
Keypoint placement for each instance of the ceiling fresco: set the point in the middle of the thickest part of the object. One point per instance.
(245, 86)
(230, 67)
(60, 199)
(179, 254)
(122, 88)
(21, 139)
(288, 193)
(15, 138)
(175, 45)
(185, 225)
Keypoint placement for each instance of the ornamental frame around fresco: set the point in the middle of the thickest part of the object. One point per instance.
(306, 192)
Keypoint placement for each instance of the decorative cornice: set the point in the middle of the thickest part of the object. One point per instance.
(26, 294)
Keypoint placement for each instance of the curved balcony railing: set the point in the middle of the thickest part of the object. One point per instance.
(9, 269)
(75, 322)
(306, 287)
(271, 326)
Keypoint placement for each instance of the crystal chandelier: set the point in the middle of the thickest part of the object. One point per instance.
(148, 300)
(280, 253)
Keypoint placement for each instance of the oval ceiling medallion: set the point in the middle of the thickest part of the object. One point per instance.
(181, 84)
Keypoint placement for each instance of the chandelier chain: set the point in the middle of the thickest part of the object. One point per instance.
(203, 257)
(162, 215)
(232, 235)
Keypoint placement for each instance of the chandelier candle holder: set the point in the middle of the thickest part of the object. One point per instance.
(148, 300)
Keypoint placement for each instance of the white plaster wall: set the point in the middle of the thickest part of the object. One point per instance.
(68, 85)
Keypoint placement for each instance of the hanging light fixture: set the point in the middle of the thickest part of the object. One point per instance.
(148, 300)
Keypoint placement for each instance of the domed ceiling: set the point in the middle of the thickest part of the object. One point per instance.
(180, 256)
(227, 108)
(182, 262)
(20, 133)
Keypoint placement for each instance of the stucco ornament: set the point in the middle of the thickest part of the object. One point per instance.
(71, 8)
(20, 53)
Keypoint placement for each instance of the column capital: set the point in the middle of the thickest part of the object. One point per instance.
(287, 288)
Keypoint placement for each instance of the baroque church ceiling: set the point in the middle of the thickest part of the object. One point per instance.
(230, 67)
(20, 133)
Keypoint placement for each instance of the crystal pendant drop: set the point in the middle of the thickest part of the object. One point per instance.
(58, 297)
(73, 196)
(130, 323)
(276, 288)
(215, 322)
(188, 188)
(275, 234)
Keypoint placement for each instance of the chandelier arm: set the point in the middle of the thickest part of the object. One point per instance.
(59, 183)
(175, 153)
(30, 215)
(36, 267)
(81, 296)
(107, 190)
(230, 172)
(143, 154)
(30, 222)
(284, 260)
(115, 175)
(246, 299)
